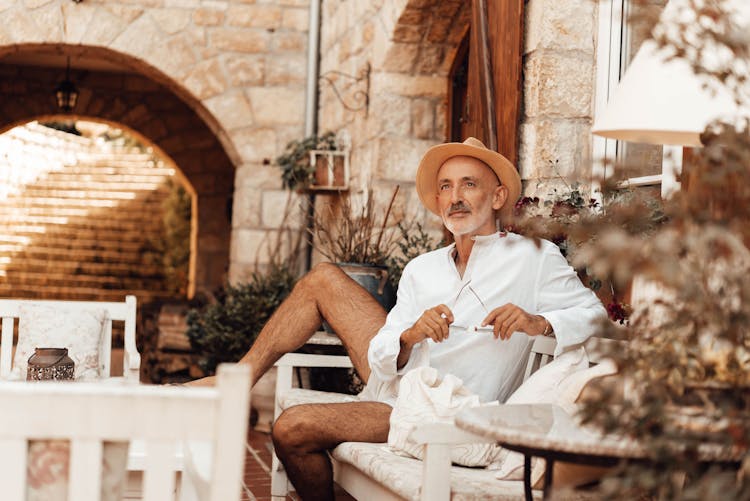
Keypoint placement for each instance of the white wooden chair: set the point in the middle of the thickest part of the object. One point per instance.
(125, 311)
(90, 413)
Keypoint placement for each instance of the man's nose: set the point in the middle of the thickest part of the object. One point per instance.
(457, 194)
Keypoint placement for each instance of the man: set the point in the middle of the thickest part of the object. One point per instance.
(468, 309)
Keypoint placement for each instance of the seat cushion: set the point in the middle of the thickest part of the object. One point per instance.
(298, 396)
(403, 475)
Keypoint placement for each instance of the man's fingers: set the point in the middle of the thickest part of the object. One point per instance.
(436, 326)
(444, 312)
(503, 321)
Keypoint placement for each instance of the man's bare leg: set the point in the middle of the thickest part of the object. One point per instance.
(303, 434)
(327, 293)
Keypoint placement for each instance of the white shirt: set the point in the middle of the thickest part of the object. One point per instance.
(502, 268)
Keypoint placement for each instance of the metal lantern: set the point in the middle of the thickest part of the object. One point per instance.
(66, 92)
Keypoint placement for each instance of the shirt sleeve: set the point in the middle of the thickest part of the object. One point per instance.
(572, 309)
(385, 346)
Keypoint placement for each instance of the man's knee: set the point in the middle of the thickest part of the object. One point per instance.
(322, 273)
(295, 430)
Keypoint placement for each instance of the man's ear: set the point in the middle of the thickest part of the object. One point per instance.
(499, 197)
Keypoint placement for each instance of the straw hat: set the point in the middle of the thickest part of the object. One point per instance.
(427, 172)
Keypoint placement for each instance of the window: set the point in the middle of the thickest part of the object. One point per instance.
(649, 167)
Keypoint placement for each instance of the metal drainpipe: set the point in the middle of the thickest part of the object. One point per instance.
(311, 102)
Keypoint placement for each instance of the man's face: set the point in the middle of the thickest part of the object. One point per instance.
(468, 194)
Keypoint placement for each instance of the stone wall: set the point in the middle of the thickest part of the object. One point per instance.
(411, 45)
(559, 77)
(240, 66)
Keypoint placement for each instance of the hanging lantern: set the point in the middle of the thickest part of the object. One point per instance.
(66, 92)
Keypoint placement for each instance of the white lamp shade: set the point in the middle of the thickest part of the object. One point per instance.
(661, 101)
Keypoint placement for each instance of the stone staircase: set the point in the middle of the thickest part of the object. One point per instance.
(81, 220)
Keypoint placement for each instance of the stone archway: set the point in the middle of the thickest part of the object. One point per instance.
(238, 67)
(153, 112)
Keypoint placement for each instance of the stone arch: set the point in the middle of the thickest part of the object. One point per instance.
(151, 110)
(239, 66)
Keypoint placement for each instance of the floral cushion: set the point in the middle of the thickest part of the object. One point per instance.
(80, 331)
(48, 466)
(403, 475)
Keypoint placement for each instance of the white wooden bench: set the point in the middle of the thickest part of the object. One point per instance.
(355, 463)
(124, 311)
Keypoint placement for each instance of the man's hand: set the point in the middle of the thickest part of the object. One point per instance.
(433, 324)
(509, 318)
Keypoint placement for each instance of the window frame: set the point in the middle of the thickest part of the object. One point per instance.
(612, 56)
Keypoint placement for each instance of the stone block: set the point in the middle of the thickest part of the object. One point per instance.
(294, 18)
(558, 84)
(278, 105)
(257, 176)
(177, 57)
(171, 21)
(48, 19)
(255, 145)
(367, 33)
(208, 17)
(33, 4)
(246, 210)
(393, 114)
(408, 85)
(240, 40)
(398, 158)
(186, 4)
(555, 148)
(289, 41)
(286, 69)
(206, 79)
(560, 25)
(401, 58)
(423, 118)
(405, 33)
(137, 38)
(430, 60)
(250, 246)
(127, 13)
(264, 16)
(231, 109)
(282, 208)
(153, 129)
(413, 16)
(76, 18)
(245, 69)
(441, 121)
(23, 28)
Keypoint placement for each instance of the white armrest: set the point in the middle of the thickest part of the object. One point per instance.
(436, 466)
(444, 433)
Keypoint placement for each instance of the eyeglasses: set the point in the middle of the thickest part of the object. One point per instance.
(474, 328)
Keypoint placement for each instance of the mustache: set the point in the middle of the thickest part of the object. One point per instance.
(458, 207)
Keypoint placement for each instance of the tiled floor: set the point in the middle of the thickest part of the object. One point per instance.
(257, 479)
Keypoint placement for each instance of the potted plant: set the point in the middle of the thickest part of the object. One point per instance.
(315, 163)
(358, 242)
